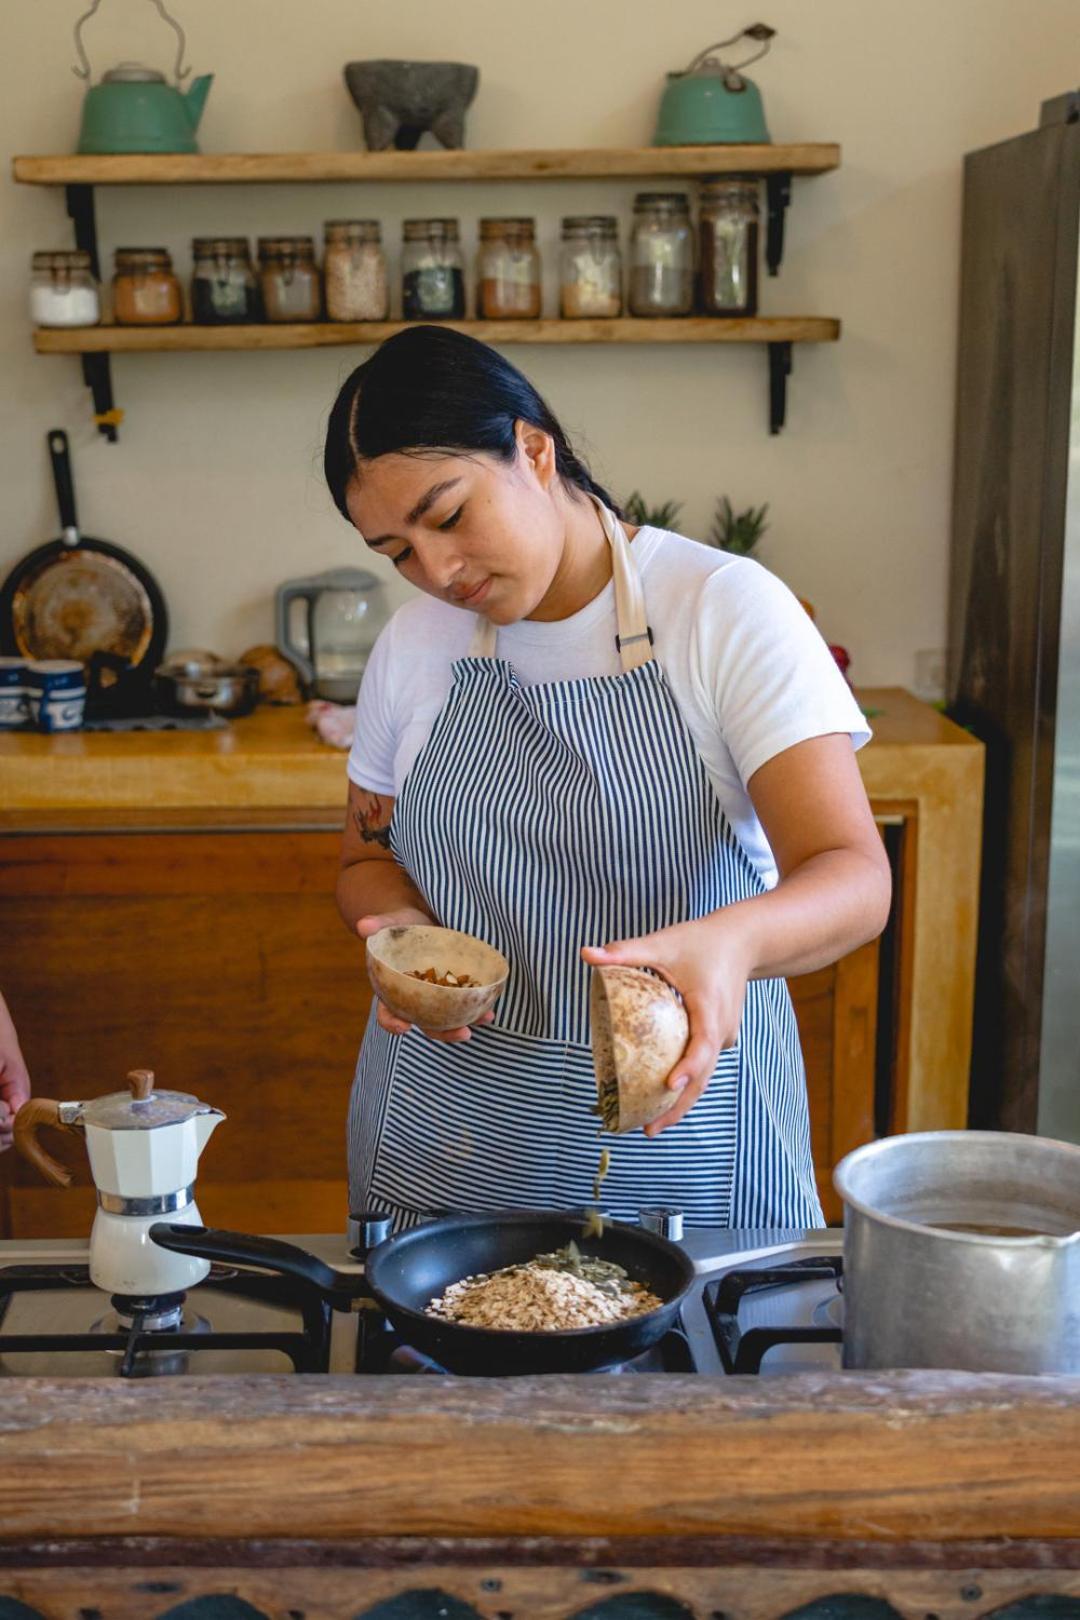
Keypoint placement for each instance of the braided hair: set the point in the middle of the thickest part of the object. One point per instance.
(429, 388)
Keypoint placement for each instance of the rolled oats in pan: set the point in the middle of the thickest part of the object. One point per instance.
(550, 1294)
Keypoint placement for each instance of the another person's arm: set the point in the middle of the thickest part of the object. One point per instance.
(374, 891)
(14, 1080)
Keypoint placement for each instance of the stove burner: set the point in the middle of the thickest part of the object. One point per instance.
(743, 1351)
(149, 1313)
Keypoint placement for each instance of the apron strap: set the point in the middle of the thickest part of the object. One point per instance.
(634, 638)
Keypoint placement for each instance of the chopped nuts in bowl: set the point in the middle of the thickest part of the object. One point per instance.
(436, 978)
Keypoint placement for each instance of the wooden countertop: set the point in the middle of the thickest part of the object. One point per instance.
(273, 765)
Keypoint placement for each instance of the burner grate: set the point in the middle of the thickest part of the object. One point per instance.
(146, 1349)
(742, 1350)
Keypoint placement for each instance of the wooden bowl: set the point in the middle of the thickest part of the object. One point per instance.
(639, 1031)
(395, 954)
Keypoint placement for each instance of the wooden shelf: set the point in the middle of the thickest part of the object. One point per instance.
(202, 339)
(246, 168)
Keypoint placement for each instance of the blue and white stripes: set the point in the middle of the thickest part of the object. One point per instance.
(541, 819)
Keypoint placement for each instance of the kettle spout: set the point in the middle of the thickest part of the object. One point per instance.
(195, 97)
(206, 1124)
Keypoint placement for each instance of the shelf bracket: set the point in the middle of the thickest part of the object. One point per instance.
(779, 372)
(778, 196)
(97, 375)
(80, 207)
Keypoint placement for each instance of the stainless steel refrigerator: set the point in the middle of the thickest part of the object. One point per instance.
(1014, 613)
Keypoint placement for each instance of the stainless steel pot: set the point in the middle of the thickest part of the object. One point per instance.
(919, 1292)
(186, 687)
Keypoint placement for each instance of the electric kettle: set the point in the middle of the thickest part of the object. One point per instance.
(710, 102)
(346, 610)
(134, 109)
(143, 1147)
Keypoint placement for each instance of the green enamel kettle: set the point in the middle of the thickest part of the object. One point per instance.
(710, 102)
(133, 108)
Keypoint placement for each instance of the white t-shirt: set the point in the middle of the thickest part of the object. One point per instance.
(744, 661)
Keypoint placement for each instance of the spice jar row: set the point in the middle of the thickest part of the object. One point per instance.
(673, 270)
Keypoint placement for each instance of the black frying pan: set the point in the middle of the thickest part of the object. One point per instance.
(77, 597)
(408, 1270)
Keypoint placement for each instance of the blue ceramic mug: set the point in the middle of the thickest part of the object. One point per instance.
(57, 693)
(14, 701)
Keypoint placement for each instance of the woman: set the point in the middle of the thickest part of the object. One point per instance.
(582, 734)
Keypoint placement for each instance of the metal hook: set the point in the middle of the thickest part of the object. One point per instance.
(84, 71)
(760, 32)
(179, 71)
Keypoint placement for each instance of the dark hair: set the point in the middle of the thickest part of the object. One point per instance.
(431, 388)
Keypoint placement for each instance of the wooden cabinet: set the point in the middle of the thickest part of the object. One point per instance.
(218, 960)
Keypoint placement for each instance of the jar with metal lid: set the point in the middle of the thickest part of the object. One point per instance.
(590, 267)
(354, 268)
(729, 228)
(432, 271)
(63, 290)
(508, 270)
(661, 255)
(289, 278)
(146, 291)
(224, 287)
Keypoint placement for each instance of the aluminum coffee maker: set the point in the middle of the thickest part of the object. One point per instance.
(144, 1147)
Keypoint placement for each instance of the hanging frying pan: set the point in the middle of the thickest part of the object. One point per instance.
(78, 597)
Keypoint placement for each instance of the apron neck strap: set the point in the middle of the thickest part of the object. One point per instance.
(634, 637)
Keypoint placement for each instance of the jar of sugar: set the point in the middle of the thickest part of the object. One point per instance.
(63, 290)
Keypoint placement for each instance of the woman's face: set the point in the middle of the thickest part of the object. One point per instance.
(483, 534)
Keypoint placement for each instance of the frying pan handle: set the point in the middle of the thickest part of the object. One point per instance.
(65, 484)
(270, 1254)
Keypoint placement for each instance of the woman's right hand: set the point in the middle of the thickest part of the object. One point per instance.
(409, 917)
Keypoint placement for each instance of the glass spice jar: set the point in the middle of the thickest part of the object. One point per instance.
(661, 255)
(146, 291)
(432, 270)
(289, 278)
(224, 287)
(590, 267)
(63, 290)
(354, 268)
(729, 227)
(508, 270)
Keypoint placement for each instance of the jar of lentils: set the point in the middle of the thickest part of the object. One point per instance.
(63, 291)
(432, 271)
(729, 224)
(508, 270)
(145, 288)
(661, 255)
(224, 287)
(590, 267)
(354, 268)
(289, 278)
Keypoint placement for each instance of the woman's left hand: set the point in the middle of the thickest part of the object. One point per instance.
(708, 963)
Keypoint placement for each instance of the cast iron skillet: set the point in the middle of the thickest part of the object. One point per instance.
(127, 665)
(411, 1268)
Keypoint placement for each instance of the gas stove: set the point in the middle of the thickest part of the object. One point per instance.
(767, 1302)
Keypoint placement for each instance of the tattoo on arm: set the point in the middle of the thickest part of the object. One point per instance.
(366, 819)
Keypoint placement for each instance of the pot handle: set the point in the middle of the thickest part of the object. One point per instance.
(29, 1120)
(270, 1254)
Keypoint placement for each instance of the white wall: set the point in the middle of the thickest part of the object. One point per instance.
(215, 482)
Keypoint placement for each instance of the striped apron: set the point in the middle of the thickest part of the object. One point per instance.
(543, 818)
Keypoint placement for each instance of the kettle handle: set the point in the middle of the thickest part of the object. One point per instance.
(29, 1120)
(286, 596)
(84, 71)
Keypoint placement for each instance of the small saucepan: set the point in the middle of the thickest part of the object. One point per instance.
(201, 683)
